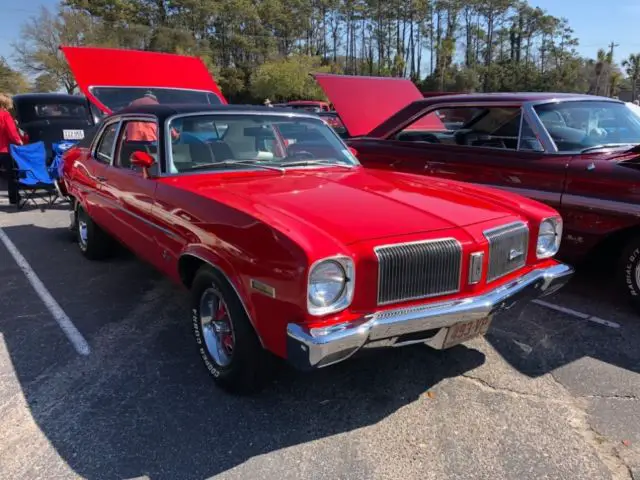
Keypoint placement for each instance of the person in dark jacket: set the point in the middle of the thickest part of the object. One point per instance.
(8, 135)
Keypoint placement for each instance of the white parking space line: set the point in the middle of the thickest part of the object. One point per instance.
(575, 313)
(65, 323)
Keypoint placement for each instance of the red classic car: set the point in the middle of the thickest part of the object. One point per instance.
(291, 249)
(309, 105)
(578, 153)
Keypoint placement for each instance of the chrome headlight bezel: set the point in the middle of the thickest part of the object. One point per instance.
(344, 298)
(549, 232)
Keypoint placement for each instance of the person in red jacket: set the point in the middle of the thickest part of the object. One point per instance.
(8, 135)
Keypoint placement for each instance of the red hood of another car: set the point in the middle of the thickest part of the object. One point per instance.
(363, 103)
(355, 205)
(110, 67)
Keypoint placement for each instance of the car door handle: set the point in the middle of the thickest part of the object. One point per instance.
(101, 179)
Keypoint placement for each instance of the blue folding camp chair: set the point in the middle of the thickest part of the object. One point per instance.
(55, 168)
(32, 176)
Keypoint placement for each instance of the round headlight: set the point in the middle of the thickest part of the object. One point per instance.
(327, 282)
(549, 237)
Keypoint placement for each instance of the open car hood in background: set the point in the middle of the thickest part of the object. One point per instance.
(110, 67)
(363, 103)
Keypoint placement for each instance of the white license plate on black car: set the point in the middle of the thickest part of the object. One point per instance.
(461, 332)
(73, 134)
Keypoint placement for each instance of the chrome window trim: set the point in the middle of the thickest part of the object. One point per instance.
(283, 113)
(418, 242)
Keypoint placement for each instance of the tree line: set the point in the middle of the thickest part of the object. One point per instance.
(266, 48)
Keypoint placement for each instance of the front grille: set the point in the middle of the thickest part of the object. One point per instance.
(508, 246)
(409, 271)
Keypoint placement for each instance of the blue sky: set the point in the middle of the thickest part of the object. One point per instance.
(596, 22)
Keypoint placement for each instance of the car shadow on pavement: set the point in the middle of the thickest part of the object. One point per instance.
(543, 340)
(142, 404)
(41, 206)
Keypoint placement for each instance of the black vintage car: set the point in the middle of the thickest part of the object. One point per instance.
(54, 117)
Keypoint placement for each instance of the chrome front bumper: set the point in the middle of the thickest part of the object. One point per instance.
(315, 348)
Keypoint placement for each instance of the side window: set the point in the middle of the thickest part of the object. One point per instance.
(104, 152)
(528, 140)
(136, 135)
(489, 127)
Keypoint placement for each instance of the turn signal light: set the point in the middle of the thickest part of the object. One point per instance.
(475, 267)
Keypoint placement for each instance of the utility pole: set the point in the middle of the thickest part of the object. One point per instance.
(612, 45)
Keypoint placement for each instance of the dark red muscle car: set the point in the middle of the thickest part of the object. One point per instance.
(578, 153)
(291, 248)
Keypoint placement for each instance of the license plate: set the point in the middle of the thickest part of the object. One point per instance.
(73, 134)
(461, 332)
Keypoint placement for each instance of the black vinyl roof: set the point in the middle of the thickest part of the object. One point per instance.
(163, 111)
(49, 98)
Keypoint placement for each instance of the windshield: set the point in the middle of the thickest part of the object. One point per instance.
(579, 125)
(241, 141)
(120, 97)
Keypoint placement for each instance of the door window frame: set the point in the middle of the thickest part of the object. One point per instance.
(99, 156)
(121, 132)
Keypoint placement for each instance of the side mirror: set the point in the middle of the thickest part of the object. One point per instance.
(353, 151)
(142, 160)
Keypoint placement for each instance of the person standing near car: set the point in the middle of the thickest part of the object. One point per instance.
(143, 131)
(8, 135)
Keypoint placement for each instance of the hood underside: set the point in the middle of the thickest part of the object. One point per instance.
(363, 103)
(111, 68)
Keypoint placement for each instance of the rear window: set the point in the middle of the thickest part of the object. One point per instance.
(34, 111)
(60, 110)
(117, 98)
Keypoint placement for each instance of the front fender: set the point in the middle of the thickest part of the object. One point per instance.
(225, 268)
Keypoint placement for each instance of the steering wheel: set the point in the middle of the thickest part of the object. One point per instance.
(598, 133)
(302, 154)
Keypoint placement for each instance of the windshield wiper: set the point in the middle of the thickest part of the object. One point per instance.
(305, 163)
(226, 163)
(605, 145)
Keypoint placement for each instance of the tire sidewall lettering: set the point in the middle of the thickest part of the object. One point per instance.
(211, 366)
(629, 272)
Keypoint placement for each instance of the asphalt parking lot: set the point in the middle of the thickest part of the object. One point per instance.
(551, 394)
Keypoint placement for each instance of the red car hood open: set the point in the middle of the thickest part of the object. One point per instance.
(349, 205)
(363, 103)
(110, 67)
